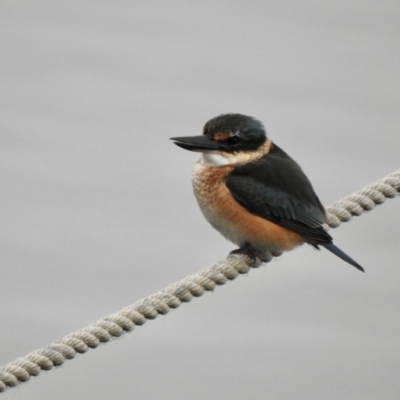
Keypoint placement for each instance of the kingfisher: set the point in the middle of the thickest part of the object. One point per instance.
(254, 193)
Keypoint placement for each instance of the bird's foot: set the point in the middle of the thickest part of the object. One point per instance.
(254, 254)
(246, 250)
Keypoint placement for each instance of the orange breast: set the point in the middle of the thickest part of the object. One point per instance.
(231, 219)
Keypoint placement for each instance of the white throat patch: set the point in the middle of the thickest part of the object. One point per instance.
(214, 159)
(221, 158)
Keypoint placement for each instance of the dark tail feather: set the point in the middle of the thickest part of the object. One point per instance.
(335, 250)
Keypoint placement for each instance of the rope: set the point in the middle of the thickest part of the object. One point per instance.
(180, 292)
(363, 200)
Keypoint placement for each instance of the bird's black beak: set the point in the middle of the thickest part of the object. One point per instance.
(198, 143)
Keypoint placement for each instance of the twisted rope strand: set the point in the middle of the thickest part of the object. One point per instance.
(363, 200)
(180, 292)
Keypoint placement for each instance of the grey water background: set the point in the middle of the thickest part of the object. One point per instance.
(97, 211)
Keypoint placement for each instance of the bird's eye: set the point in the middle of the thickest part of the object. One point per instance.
(233, 141)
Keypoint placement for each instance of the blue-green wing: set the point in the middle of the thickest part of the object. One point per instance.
(276, 189)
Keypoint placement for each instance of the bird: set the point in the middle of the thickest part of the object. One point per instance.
(253, 192)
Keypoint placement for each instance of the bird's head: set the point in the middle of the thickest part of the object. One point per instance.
(228, 139)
